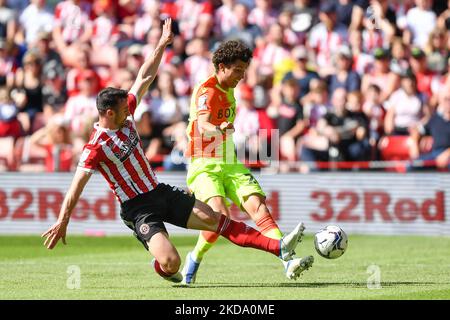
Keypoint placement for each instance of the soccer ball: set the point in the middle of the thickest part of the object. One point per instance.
(331, 242)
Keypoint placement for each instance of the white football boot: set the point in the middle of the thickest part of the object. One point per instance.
(295, 267)
(290, 241)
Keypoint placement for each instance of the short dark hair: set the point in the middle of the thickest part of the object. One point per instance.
(230, 52)
(374, 87)
(109, 98)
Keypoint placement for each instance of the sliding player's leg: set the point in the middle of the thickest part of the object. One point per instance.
(185, 211)
(257, 209)
(166, 260)
(142, 214)
(204, 218)
(245, 190)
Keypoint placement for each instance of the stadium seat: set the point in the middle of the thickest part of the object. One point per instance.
(394, 148)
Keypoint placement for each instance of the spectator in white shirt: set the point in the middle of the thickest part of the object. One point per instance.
(421, 21)
(35, 19)
(405, 107)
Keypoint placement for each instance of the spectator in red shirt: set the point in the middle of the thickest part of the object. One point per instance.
(9, 124)
(73, 75)
(420, 69)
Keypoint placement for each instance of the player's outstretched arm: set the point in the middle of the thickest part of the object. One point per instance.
(58, 230)
(148, 70)
(209, 129)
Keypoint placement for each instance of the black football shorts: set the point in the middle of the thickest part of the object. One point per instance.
(146, 213)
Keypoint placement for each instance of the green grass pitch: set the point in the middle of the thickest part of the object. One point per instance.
(118, 268)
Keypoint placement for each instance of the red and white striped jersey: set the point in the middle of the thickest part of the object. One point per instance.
(224, 19)
(119, 157)
(325, 43)
(263, 19)
(104, 30)
(72, 18)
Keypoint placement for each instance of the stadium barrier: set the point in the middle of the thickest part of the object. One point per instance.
(386, 165)
(362, 203)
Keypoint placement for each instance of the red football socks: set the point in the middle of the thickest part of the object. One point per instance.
(245, 236)
(266, 224)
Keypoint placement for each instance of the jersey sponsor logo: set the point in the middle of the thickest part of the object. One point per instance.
(144, 229)
(201, 103)
(126, 148)
(226, 113)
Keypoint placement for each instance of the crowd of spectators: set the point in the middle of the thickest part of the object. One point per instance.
(335, 77)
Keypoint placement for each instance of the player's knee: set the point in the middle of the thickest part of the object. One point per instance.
(218, 205)
(262, 210)
(258, 211)
(171, 264)
(213, 218)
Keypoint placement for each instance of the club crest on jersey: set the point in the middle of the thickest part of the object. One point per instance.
(202, 103)
(144, 229)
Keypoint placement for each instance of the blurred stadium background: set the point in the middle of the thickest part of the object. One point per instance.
(351, 97)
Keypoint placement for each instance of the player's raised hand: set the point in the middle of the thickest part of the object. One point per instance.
(54, 233)
(167, 34)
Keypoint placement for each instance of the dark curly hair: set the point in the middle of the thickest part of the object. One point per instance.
(231, 51)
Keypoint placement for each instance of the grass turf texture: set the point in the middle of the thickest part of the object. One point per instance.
(118, 268)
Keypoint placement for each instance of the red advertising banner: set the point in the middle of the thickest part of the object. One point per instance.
(375, 203)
